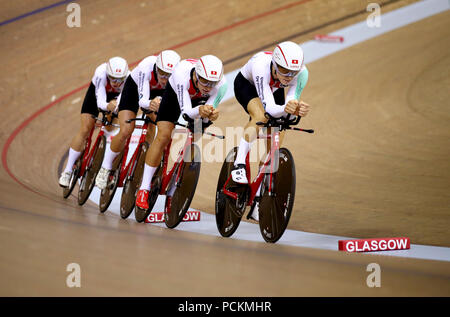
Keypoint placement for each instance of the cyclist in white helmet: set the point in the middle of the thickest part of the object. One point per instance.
(195, 88)
(105, 87)
(259, 88)
(143, 88)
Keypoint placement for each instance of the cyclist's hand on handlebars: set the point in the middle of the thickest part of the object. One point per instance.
(112, 105)
(214, 115)
(154, 104)
(292, 107)
(303, 109)
(205, 111)
(111, 108)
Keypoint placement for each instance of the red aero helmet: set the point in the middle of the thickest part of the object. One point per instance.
(288, 55)
(210, 68)
(117, 67)
(167, 60)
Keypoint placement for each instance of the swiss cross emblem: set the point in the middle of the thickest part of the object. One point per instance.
(170, 65)
(295, 61)
(213, 72)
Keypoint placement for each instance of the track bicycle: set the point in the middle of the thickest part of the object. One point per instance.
(128, 175)
(88, 164)
(178, 183)
(276, 176)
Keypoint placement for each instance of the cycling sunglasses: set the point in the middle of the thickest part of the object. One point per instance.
(205, 82)
(285, 72)
(161, 74)
(116, 80)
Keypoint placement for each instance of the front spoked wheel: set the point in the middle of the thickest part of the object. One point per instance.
(73, 179)
(87, 181)
(275, 207)
(132, 183)
(107, 194)
(228, 211)
(182, 187)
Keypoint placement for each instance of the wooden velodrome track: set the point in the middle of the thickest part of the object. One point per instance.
(378, 165)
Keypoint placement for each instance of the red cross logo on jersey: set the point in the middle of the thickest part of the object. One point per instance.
(295, 61)
(213, 72)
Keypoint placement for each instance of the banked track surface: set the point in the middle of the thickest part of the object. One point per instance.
(42, 233)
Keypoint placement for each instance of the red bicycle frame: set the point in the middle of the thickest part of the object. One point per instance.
(89, 154)
(270, 158)
(132, 163)
(166, 177)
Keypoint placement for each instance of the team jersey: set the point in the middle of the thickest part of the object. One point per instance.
(102, 86)
(145, 77)
(258, 72)
(182, 83)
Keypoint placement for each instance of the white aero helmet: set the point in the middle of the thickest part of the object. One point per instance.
(288, 55)
(167, 60)
(210, 68)
(117, 67)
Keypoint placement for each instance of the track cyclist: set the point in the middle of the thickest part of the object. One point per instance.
(105, 87)
(259, 88)
(143, 88)
(195, 88)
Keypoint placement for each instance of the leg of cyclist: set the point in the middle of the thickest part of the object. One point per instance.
(168, 114)
(245, 91)
(279, 99)
(256, 111)
(127, 109)
(88, 109)
(153, 159)
(151, 130)
(117, 145)
(79, 140)
(77, 146)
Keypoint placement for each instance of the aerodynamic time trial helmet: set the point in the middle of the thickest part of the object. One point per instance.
(209, 67)
(117, 67)
(288, 55)
(167, 60)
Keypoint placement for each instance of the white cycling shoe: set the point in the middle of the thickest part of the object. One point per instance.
(102, 178)
(239, 175)
(64, 180)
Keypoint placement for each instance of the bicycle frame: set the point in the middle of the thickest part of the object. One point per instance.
(132, 163)
(253, 186)
(167, 176)
(279, 124)
(89, 154)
